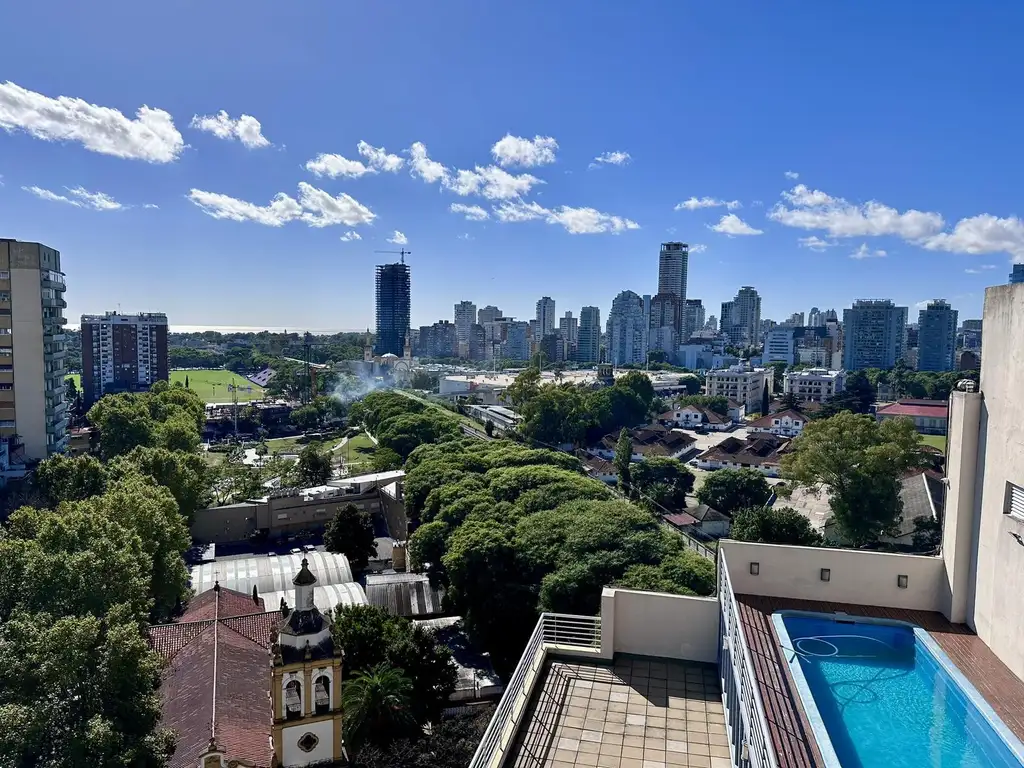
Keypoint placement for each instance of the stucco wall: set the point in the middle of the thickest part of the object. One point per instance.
(997, 613)
(653, 624)
(855, 576)
(324, 750)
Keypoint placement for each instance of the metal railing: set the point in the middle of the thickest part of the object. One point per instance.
(744, 711)
(553, 630)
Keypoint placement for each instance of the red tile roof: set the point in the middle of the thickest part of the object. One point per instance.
(759, 449)
(766, 421)
(933, 409)
(681, 518)
(230, 603)
(217, 681)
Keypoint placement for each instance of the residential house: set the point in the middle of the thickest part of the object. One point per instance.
(652, 440)
(929, 416)
(601, 469)
(701, 521)
(761, 451)
(788, 423)
(694, 417)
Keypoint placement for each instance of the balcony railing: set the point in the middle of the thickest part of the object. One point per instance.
(554, 632)
(744, 711)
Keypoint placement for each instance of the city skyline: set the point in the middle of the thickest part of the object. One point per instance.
(172, 154)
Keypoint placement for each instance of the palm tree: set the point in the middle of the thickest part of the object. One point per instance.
(377, 707)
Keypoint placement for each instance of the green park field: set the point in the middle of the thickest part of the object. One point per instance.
(935, 441)
(211, 385)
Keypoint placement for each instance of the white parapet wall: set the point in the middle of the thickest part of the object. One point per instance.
(657, 624)
(855, 576)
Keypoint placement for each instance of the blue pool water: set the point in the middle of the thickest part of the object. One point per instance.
(886, 701)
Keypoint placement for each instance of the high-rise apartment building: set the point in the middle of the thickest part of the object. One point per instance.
(741, 318)
(1017, 275)
(123, 353)
(693, 318)
(394, 292)
(32, 349)
(936, 337)
(465, 316)
(874, 334)
(477, 342)
(545, 316)
(568, 327)
(627, 332)
(673, 263)
(488, 314)
(517, 341)
(588, 341)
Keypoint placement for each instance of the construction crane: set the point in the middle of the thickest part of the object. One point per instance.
(403, 253)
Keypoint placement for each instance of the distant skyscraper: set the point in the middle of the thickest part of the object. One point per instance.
(568, 327)
(815, 317)
(693, 318)
(588, 342)
(627, 333)
(546, 315)
(488, 314)
(465, 316)
(747, 314)
(1017, 275)
(672, 266)
(393, 308)
(517, 341)
(122, 353)
(936, 337)
(664, 322)
(874, 334)
(725, 322)
(477, 342)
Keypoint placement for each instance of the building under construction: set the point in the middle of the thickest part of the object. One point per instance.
(393, 294)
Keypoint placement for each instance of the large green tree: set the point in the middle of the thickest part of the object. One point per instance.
(350, 532)
(729, 490)
(773, 525)
(371, 636)
(314, 465)
(623, 459)
(65, 478)
(185, 474)
(124, 422)
(79, 691)
(662, 483)
(860, 461)
(378, 707)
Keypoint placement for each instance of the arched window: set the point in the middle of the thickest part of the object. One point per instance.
(293, 700)
(322, 694)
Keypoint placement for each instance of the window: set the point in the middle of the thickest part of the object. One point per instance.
(5, 275)
(322, 695)
(293, 700)
(1013, 506)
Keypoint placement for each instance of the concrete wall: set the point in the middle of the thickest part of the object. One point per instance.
(958, 514)
(29, 379)
(655, 624)
(855, 576)
(220, 525)
(996, 611)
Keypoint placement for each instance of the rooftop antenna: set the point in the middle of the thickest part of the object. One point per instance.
(403, 253)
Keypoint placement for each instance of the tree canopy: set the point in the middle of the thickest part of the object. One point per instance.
(351, 533)
(773, 525)
(860, 461)
(729, 490)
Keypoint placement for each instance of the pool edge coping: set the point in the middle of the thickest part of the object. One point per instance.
(810, 707)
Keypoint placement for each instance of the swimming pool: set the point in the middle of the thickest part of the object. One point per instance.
(884, 695)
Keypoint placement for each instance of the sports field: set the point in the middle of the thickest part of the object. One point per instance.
(935, 441)
(211, 385)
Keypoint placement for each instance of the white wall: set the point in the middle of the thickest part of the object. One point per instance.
(291, 755)
(856, 576)
(655, 624)
(996, 612)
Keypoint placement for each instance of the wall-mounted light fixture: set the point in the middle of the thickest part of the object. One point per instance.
(755, 568)
(901, 581)
(826, 574)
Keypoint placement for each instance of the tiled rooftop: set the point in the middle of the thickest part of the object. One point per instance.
(639, 713)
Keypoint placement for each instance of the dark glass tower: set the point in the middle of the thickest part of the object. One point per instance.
(393, 291)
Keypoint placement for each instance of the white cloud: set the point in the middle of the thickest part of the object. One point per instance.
(698, 248)
(791, 175)
(814, 209)
(611, 158)
(246, 129)
(707, 202)
(151, 136)
(349, 236)
(465, 236)
(151, 206)
(421, 166)
(731, 224)
(334, 166)
(576, 221)
(984, 233)
(314, 206)
(815, 243)
(471, 212)
(80, 198)
(398, 238)
(379, 159)
(515, 150)
(866, 253)
(491, 182)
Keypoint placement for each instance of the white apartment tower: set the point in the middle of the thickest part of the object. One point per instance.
(672, 266)
(32, 349)
(627, 330)
(568, 327)
(545, 315)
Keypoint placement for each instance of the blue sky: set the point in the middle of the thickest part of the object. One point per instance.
(902, 123)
